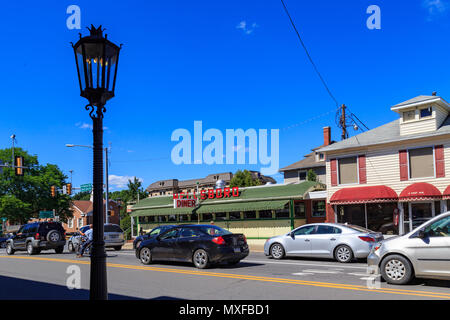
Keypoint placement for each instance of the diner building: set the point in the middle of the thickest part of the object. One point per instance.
(396, 176)
(258, 212)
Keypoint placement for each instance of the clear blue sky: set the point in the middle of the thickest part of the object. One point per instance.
(188, 60)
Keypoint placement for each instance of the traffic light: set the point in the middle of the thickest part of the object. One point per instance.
(69, 188)
(53, 191)
(18, 164)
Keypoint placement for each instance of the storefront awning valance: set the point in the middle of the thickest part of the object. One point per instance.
(446, 194)
(371, 194)
(420, 191)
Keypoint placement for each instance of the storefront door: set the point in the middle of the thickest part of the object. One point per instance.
(419, 212)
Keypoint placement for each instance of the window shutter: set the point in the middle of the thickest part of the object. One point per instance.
(362, 168)
(333, 164)
(403, 157)
(439, 159)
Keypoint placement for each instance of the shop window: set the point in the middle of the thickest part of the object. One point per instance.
(221, 216)
(207, 216)
(183, 217)
(437, 208)
(319, 208)
(250, 215)
(421, 162)
(348, 172)
(265, 214)
(235, 215)
(141, 219)
(162, 219)
(194, 217)
(427, 112)
(351, 214)
(282, 213)
(172, 218)
(151, 219)
(380, 217)
(299, 210)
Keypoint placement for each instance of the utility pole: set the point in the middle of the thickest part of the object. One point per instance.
(343, 122)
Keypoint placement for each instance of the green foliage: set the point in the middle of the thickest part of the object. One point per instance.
(244, 179)
(311, 175)
(22, 197)
(82, 196)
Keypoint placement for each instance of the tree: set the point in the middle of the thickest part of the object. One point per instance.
(22, 197)
(311, 175)
(244, 179)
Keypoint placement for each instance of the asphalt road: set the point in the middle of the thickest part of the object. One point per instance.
(45, 276)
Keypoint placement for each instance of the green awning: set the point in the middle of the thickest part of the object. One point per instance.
(250, 199)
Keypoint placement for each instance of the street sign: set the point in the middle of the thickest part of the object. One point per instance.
(86, 187)
(45, 214)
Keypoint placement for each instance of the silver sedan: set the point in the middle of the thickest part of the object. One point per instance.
(342, 242)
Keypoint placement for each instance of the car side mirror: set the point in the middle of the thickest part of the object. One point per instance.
(292, 235)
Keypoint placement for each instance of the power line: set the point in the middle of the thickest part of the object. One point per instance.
(309, 56)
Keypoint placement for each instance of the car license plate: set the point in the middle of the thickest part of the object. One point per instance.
(237, 249)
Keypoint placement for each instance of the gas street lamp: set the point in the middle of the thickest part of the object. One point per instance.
(96, 60)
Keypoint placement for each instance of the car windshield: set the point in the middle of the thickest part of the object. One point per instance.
(112, 228)
(214, 230)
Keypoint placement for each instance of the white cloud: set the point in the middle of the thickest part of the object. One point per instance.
(435, 7)
(245, 28)
(84, 125)
(121, 181)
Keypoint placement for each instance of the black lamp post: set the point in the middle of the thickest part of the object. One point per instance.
(97, 59)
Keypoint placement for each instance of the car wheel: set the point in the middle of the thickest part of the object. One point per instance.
(277, 251)
(396, 269)
(343, 254)
(70, 247)
(145, 255)
(9, 249)
(118, 248)
(30, 249)
(201, 259)
(53, 236)
(59, 249)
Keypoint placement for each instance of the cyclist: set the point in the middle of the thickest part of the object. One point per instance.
(90, 237)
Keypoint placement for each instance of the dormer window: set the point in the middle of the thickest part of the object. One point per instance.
(321, 156)
(409, 115)
(427, 112)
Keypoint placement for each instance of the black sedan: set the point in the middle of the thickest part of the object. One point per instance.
(154, 232)
(201, 245)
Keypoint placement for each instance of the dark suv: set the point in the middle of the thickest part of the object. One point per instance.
(37, 236)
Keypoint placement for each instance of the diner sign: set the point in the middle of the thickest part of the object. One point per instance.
(186, 200)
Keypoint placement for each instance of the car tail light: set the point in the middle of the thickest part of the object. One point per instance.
(245, 239)
(218, 240)
(37, 236)
(367, 239)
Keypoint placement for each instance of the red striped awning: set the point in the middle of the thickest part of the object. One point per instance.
(446, 194)
(372, 194)
(420, 191)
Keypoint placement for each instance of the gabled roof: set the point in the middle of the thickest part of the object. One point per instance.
(389, 132)
(308, 162)
(420, 100)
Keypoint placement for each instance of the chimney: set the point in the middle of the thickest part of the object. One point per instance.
(434, 93)
(326, 136)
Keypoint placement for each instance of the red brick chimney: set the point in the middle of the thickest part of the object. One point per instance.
(326, 136)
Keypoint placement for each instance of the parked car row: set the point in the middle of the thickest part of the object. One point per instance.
(37, 236)
(423, 252)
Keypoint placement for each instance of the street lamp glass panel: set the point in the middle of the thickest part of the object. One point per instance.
(97, 60)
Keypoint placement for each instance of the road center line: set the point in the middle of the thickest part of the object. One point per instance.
(254, 278)
(303, 264)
